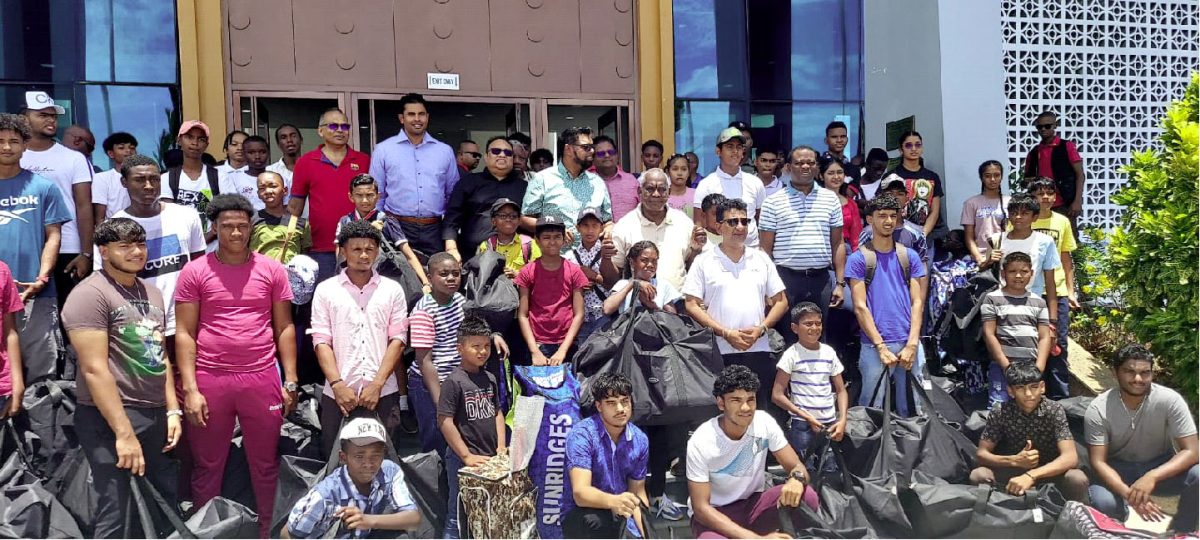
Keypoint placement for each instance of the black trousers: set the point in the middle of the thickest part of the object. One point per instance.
(112, 484)
(427, 239)
(664, 443)
(763, 365)
(592, 523)
(814, 286)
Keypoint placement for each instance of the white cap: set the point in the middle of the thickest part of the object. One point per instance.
(363, 431)
(38, 100)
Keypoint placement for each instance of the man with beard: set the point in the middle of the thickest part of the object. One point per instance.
(1141, 441)
(607, 458)
(564, 190)
(128, 417)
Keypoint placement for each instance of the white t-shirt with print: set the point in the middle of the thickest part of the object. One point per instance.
(64, 167)
(244, 184)
(107, 190)
(733, 469)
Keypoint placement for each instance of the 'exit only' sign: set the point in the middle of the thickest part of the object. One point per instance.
(442, 81)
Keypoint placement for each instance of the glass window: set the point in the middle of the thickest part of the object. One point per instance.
(810, 118)
(150, 113)
(818, 52)
(93, 40)
(697, 124)
(710, 60)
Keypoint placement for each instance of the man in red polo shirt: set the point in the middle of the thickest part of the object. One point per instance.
(1060, 160)
(324, 175)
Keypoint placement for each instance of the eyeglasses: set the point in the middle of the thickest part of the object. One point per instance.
(734, 222)
(337, 127)
(585, 147)
(913, 145)
(500, 151)
(1043, 126)
(656, 190)
(506, 217)
(606, 153)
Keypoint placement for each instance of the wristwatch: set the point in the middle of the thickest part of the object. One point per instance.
(799, 474)
(291, 386)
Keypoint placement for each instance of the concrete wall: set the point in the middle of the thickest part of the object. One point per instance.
(941, 61)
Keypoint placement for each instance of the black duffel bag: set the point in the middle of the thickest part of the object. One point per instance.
(671, 361)
(959, 330)
(47, 425)
(27, 508)
(220, 518)
(394, 264)
(490, 294)
(839, 514)
(880, 442)
(938, 509)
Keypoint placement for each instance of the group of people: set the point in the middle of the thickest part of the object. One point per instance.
(186, 294)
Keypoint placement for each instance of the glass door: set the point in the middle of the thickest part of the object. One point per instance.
(451, 119)
(261, 113)
(604, 117)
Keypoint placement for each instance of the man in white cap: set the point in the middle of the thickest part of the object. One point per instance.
(70, 171)
(367, 492)
(731, 181)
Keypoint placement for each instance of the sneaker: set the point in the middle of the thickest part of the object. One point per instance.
(667, 509)
(408, 422)
(679, 469)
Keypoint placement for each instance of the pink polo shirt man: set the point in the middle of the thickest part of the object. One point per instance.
(358, 326)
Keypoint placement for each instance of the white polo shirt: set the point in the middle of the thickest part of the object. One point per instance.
(735, 292)
(745, 186)
(672, 238)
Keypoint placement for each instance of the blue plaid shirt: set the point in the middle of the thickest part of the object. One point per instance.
(313, 514)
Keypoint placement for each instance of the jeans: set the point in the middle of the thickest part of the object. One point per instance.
(549, 349)
(41, 342)
(871, 368)
(1185, 485)
(425, 410)
(424, 238)
(813, 285)
(453, 464)
(1058, 370)
(99, 446)
(801, 437)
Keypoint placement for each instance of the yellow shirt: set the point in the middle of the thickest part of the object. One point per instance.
(513, 252)
(1058, 227)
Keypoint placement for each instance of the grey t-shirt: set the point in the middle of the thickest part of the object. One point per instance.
(1163, 417)
(134, 319)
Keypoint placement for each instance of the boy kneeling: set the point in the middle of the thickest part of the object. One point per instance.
(1027, 441)
(366, 493)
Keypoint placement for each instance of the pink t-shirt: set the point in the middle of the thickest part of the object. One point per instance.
(683, 202)
(235, 332)
(550, 309)
(10, 302)
(987, 215)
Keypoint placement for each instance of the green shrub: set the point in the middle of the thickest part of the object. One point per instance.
(1153, 256)
(1099, 326)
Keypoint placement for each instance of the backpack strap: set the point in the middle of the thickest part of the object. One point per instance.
(287, 239)
(491, 243)
(902, 256)
(870, 259)
(526, 247)
(213, 182)
(173, 180)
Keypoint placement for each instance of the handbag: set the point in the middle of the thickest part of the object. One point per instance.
(938, 509)
(499, 502)
(671, 361)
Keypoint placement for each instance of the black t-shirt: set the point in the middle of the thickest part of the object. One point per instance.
(923, 186)
(472, 399)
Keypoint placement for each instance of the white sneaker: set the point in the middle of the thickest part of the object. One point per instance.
(667, 509)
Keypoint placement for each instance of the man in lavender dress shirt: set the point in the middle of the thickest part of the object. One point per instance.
(416, 174)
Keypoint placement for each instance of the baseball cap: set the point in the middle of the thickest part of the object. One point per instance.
(549, 221)
(187, 126)
(501, 203)
(729, 134)
(589, 212)
(37, 100)
(892, 181)
(363, 431)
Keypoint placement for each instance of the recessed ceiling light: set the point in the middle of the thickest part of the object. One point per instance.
(569, 117)
(468, 115)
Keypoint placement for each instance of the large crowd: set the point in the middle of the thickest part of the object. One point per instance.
(197, 296)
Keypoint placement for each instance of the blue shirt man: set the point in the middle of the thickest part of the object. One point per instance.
(416, 174)
(607, 458)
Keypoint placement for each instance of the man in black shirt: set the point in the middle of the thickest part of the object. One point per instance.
(468, 220)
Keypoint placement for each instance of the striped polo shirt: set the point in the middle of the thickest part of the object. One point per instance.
(801, 224)
(435, 326)
(1017, 320)
(809, 387)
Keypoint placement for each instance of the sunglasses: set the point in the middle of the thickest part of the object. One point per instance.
(606, 153)
(912, 145)
(1043, 126)
(337, 127)
(500, 151)
(656, 190)
(475, 155)
(734, 222)
(585, 147)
